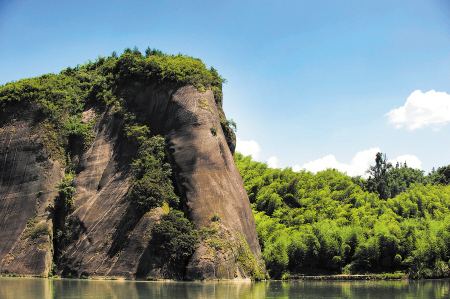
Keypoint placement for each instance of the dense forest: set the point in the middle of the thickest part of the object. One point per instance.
(330, 223)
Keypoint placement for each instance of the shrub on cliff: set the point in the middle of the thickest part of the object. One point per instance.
(151, 191)
(174, 240)
(152, 185)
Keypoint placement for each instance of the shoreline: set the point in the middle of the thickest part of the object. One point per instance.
(387, 276)
(338, 277)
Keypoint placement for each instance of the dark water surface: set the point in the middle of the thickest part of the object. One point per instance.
(72, 288)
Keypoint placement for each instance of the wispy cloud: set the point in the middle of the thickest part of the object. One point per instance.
(272, 162)
(411, 160)
(359, 164)
(248, 148)
(422, 109)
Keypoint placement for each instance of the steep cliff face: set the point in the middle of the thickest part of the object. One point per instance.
(27, 187)
(207, 179)
(111, 242)
(79, 214)
(108, 240)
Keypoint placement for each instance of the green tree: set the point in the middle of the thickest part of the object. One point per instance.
(174, 240)
(441, 176)
(379, 180)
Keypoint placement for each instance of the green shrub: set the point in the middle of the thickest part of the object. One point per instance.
(35, 229)
(41, 229)
(215, 217)
(32, 222)
(213, 130)
(174, 240)
(151, 191)
(247, 260)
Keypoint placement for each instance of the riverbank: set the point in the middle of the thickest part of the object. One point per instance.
(385, 276)
(301, 277)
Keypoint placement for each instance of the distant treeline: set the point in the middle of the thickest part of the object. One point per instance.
(324, 223)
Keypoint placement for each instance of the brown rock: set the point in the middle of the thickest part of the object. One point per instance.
(27, 187)
(110, 239)
(206, 175)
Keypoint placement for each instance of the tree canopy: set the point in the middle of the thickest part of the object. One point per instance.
(332, 223)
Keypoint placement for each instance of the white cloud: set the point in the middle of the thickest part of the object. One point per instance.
(272, 162)
(422, 109)
(359, 164)
(411, 161)
(248, 148)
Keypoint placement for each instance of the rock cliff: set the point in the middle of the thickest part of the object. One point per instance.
(27, 186)
(106, 236)
(207, 179)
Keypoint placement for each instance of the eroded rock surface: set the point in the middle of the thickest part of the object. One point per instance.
(27, 187)
(108, 240)
(206, 175)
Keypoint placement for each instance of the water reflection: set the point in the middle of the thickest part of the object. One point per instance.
(67, 288)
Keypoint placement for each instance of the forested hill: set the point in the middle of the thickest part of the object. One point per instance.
(330, 223)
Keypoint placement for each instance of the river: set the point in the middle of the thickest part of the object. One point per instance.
(36, 288)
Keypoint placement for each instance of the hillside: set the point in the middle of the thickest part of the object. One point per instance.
(123, 167)
(330, 223)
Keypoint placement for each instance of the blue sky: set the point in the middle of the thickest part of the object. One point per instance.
(311, 84)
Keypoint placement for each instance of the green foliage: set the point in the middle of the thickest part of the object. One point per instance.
(247, 261)
(229, 123)
(41, 229)
(327, 223)
(441, 176)
(211, 236)
(152, 186)
(215, 217)
(159, 68)
(388, 181)
(213, 130)
(229, 129)
(174, 240)
(32, 222)
(35, 229)
(64, 205)
(78, 130)
(204, 104)
(151, 191)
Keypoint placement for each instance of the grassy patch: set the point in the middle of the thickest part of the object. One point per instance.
(247, 261)
(204, 104)
(35, 229)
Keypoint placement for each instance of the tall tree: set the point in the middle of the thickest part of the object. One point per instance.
(380, 182)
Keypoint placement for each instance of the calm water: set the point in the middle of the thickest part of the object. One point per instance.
(48, 288)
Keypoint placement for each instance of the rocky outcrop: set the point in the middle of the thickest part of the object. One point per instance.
(27, 187)
(107, 238)
(111, 240)
(205, 173)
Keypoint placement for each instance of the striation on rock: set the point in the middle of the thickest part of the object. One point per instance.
(107, 238)
(27, 180)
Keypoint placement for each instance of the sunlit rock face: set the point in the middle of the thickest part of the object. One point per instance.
(206, 176)
(27, 187)
(107, 240)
